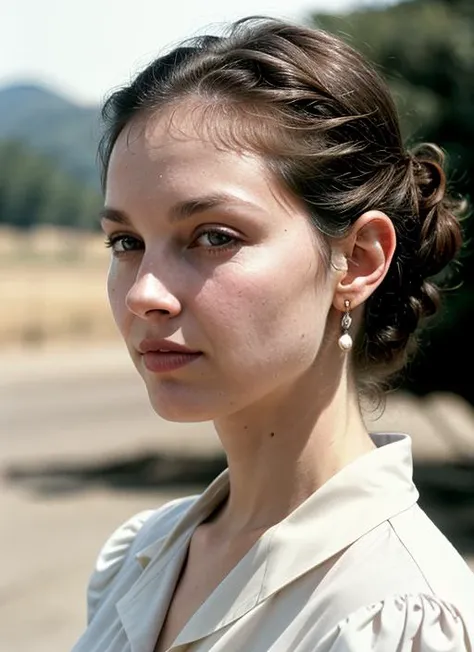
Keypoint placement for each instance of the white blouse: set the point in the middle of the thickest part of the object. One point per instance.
(358, 566)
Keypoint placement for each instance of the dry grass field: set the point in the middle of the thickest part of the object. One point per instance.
(52, 284)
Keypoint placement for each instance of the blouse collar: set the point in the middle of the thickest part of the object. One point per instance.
(373, 488)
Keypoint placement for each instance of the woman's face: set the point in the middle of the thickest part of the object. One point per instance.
(211, 253)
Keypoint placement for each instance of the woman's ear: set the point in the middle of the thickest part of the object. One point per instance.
(368, 250)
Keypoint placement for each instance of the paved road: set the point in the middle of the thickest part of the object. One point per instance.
(76, 434)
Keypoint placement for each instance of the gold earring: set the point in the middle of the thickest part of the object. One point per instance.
(345, 341)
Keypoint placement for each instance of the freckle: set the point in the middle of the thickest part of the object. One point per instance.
(246, 427)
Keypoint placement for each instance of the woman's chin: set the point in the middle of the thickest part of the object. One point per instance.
(182, 417)
(180, 411)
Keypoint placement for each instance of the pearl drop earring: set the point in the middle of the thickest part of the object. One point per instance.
(345, 341)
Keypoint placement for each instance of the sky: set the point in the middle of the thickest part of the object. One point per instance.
(85, 48)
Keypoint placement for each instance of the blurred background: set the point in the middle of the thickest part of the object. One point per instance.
(81, 451)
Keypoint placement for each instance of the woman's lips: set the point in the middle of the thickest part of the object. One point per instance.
(162, 361)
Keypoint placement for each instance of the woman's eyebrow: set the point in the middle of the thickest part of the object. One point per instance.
(190, 207)
(182, 210)
(114, 215)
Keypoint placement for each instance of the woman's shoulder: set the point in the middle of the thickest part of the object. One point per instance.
(400, 621)
(404, 556)
(441, 565)
(408, 553)
(121, 547)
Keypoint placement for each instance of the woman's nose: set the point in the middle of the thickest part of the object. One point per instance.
(149, 296)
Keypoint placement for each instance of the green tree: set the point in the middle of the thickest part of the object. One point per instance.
(425, 50)
(34, 190)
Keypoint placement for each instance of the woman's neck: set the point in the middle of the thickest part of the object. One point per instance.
(282, 450)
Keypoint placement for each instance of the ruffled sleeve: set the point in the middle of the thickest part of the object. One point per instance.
(111, 559)
(410, 623)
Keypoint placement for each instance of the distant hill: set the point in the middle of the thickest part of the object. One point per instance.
(53, 125)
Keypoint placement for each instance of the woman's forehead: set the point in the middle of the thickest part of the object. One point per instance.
(166, 151)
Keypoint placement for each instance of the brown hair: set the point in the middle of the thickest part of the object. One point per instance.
(327, 126)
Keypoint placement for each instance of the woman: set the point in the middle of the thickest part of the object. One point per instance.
(272, 249)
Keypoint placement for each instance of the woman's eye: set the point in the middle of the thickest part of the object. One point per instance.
(214, 239)
(121, 244)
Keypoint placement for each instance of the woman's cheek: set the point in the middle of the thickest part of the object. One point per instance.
(117, 293)
(236, 304)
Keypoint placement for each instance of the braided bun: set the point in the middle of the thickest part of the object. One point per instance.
(440, 237)
(426, 246)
